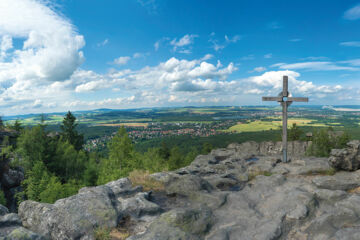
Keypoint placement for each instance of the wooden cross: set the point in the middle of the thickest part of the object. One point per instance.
(285, 100)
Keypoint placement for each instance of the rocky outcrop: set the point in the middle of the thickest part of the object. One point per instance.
(348, 158)
(240, 192)
(11, 228)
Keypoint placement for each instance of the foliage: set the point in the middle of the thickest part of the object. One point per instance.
(70, 133)
(326, 139)
(295, 133)
(102, 233)
(121, 158)
(32, 146)
(2, 198)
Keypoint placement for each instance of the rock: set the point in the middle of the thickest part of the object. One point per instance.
(346, 159)
(239, 192)
(77, 216)
(190, 223)
(21, 233)
(10, 228)
(340, 181)
(12, 178)
(9, 220)
(138, 205)
(187, 184)
(3, 210)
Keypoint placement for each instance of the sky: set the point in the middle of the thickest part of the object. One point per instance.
(87, 54)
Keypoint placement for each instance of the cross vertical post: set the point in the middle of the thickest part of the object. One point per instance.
(285, 101)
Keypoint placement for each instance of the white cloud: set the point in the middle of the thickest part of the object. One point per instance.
(234, 39)
(269, 55)
(271, 83)
(352, 62)
(352, 13)
(50, 51)
(207, 57)
(315, 58)
(103, 43)
(350, 44)
(186, 40)
(259, 69)
(138, 55)
(219, 46)
(157, 45)
(314, 66)
(122, 60)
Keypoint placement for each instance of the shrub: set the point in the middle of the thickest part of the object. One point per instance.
(2, 198)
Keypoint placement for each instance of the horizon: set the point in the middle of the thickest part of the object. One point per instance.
(65, 55)
(205, 106)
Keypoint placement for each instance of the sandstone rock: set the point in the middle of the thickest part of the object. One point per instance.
(181, 224)
(76, 216)
(212, 199)
(346, 159)
(3, 210)
(340, 181)
(187, 184)
(12, 178)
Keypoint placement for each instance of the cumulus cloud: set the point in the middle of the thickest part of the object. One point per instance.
(352, 13)
(271, 83)
(170, 76)
(50, 51)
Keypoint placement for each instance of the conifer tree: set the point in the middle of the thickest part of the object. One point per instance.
(70, 133)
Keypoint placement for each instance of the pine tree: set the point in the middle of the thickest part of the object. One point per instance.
(70, 133)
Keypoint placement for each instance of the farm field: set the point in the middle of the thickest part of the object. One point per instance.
(259, 125)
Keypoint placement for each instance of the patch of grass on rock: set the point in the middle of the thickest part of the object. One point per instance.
(141, 177)
(255, 174)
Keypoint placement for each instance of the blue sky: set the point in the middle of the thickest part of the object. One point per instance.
(86, 54)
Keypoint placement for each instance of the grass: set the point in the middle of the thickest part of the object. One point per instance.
(104, 233)
(141, 177)
(255, 174)
(259, 125)
(329, 172)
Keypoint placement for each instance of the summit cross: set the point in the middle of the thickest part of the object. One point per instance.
(285, 101)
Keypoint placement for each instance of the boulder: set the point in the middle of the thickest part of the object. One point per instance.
(77, 216)
(12, 178)
(346, 159)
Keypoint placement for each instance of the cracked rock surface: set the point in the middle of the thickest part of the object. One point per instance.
(240, 192)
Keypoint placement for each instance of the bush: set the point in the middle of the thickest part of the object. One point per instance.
(326, 139)
(2, 198)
